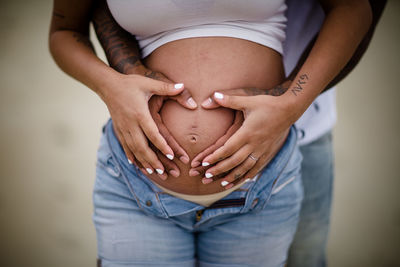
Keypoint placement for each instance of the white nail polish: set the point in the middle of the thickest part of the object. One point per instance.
(178, 85)
(205, 164)
(224, 183)
(149, 171)
(208, 101)
(191, 102)
(218, 95)
(130, 162)
(160, 171)
(169, 156)
(209, 175)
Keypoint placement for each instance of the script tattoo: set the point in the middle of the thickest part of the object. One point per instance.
(299, 84)
(120, 47)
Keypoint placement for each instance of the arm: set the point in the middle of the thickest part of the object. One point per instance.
(126, 96)
(345, 25)
(377, 7)
(123, 54)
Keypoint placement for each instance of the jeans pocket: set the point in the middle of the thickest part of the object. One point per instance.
(291, 171)
(278, 188)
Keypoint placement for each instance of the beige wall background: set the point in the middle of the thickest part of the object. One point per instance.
(50, 128)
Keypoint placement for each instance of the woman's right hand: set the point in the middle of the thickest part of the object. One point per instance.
(127, 101)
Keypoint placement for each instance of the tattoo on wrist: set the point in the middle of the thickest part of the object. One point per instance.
(299, 84)
(152, 74)
(276, 91)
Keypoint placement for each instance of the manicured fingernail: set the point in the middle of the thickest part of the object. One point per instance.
(184, 159)
(169, 156)
(218, 95)
(207, 102)
(191, 102)
(247, 180)
(206, 180)
(149, 171)
(130, 162)
(160, 171)
(193, 173)
(174, 173)
(229, 186)
(204, 164)
(209, 175)
(224, 183)
(178, 85)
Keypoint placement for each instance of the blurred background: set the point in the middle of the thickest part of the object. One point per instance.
(51, 125)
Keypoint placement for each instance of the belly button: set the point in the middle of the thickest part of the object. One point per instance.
(193, 138)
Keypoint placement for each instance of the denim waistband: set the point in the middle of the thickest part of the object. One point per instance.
(153, 200)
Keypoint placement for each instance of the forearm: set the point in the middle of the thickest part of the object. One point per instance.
(343, 29)
(377, 7)
(74, 55)
(121, 48)
(71, 48)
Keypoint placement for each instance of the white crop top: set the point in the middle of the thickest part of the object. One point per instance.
(157, 22)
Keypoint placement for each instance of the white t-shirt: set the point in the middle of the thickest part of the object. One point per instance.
(158, 22)
(304, 21)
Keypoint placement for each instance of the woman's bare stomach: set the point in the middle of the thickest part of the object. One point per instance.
(205, 65)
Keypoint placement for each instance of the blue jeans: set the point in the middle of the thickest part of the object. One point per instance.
(139, 225)
(309, 245)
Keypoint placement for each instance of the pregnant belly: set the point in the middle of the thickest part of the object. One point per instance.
(205, 65)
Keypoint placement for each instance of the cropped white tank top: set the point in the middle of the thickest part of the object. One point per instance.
(157, 22)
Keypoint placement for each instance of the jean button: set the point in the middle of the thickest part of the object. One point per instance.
(149, 203)
(199, 214)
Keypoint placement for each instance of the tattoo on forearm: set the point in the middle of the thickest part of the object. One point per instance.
(120, 47)
(80, 38)
(299, 84)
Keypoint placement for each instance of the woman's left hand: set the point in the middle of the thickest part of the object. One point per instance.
(267, 120)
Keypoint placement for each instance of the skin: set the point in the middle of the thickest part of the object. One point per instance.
(192, 61)
(345, 24)
(126, 96)
(377, 7)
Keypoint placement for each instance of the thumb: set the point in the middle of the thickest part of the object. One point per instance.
(231, 101)
(209, 103)
(164, 88)
(185, 99)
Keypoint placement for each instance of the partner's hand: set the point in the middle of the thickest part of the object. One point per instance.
(155, 105)
(128, 106)
(267, 122)
(197, 168)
